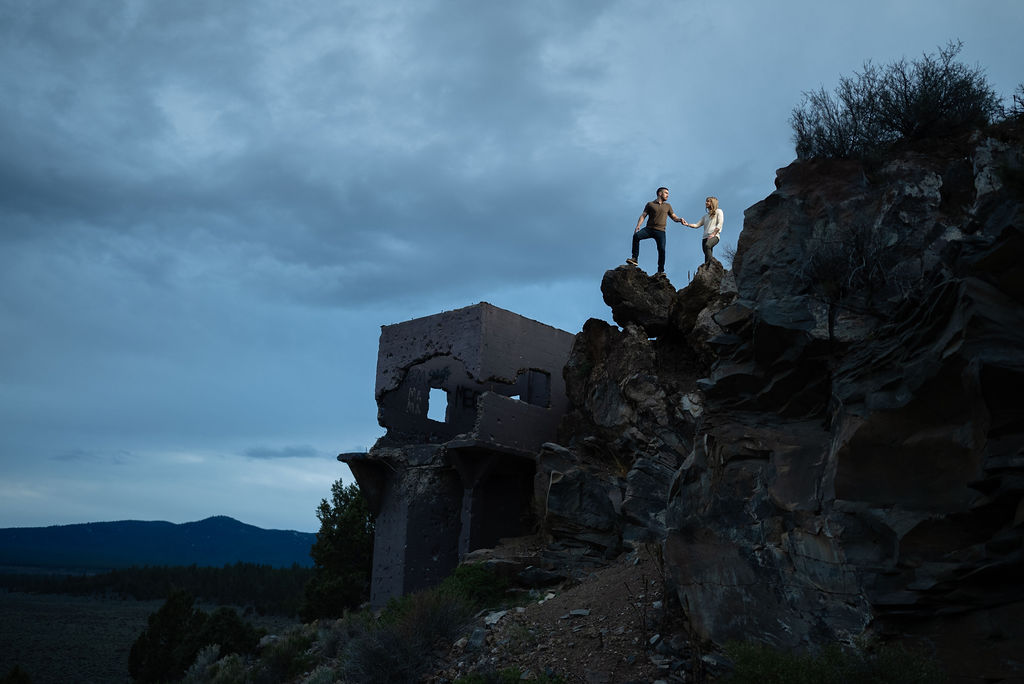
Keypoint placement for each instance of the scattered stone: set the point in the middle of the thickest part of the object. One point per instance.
(477, 639)
(534, 577)
(660, 661)
(492, 618)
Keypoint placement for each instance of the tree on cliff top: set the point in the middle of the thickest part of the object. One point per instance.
(930, 97)
(342, 555)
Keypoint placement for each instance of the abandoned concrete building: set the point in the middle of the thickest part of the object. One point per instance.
(467, 398)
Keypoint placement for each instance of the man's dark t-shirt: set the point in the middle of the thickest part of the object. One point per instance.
(657, 214)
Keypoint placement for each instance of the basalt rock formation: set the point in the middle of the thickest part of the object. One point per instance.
(828, 440)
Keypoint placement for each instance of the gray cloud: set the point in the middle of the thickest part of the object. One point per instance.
(283, 452)
(208, 210)
(92, 456)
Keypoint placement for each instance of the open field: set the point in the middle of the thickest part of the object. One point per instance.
(58, 639)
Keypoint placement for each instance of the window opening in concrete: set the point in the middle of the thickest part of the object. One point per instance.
(437, 405)
(538, 388)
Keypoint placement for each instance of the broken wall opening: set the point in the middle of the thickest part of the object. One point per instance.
(437, 405)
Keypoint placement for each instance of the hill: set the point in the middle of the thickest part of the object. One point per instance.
(213, 542)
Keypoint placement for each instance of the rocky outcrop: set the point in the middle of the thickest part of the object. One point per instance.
(829, 439)
(635, 407)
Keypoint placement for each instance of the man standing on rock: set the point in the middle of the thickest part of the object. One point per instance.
(655, 213)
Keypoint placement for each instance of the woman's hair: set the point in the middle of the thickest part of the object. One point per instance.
(714, 204)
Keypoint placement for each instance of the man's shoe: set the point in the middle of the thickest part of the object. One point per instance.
(632, 262)
(660, 274)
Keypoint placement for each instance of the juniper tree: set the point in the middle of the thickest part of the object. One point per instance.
(342, 554)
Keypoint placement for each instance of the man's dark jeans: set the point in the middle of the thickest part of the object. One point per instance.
(659, 239)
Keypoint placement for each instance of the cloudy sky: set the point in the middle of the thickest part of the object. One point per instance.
(209, 208)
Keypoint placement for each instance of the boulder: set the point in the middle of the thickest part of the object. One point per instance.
(638, 299)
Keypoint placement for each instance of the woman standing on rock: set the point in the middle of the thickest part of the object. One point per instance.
(712, 223)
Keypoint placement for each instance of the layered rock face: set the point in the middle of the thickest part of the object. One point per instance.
(829, 440)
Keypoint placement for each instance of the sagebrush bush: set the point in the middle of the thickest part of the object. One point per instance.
(323, 674)
(286, 657)
(333, 635)
(431, 615)
(401, 645)
(230, 669)
(476, 584)
(200, 670)
(383, 655)
(929, 97)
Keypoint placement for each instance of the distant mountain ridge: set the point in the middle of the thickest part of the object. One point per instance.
(213, 542)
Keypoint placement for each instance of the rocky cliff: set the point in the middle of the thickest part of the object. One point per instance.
(827, 440)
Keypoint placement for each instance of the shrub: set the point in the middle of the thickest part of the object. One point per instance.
(228, 631)
(384, 656)
(728, 256)
(16, 676)
(321, 675)
(400, 646)
(178, 631)
(286, 657)
(881, 664)
(926, 98)
(228, 670)
(428, 616)
(843, 125)
(476, 584)
(335, 634)
(202, 667)
(1016, 110)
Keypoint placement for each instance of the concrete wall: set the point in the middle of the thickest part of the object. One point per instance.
(470, 353)
(443, 486)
